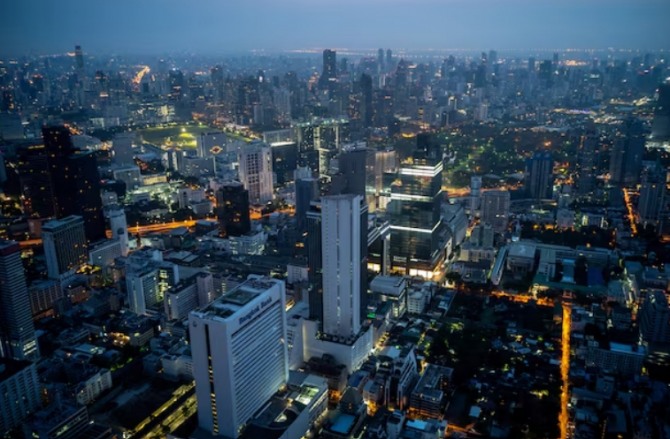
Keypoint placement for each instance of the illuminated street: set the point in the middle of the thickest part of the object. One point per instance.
(564, 417)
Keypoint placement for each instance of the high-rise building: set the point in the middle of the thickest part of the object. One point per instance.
(306, 191)
(540, 181)
(119, 227)
(315, 261)
(353, 174)
(495, 209)
(626, 154)
(19, 393)
(329, 71)
(240, 357)
(232, 209)
(319, 141)
(652, 199)
(418, 235)
(65, 247)
(367, 109)
(79, 60)
(344, 255)
(74, 181)
(586, 162)
(475, 193)
(655, 318)
(256, 172)
(37, 187)
(284, 161)
(17, 333)
(660, 128)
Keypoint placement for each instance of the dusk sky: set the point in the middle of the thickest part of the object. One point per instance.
(223, 26)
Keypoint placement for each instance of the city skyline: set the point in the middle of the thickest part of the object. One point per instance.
(37, 28)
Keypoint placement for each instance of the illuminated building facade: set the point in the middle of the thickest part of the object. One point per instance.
(239, 354)
(418, 235)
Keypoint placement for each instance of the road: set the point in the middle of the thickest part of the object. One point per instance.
(174, 420)
(166, 413)
(631, 213)
(563, 417)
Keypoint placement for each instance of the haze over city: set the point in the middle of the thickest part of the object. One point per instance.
(225, 26)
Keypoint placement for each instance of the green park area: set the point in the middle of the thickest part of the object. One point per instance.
(174, 136)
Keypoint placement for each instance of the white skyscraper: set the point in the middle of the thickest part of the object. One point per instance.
(239, 354)
(17, 333)
(119, 226)
(341, 253)
(255, 162)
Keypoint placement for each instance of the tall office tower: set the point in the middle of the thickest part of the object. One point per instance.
(65, 246)
(329, 72)
(256, 172)
(306, 191)
(19, 393)
(540, 181)
(546, 73)
(380, 60)
(352, 175)
(122, 146)
(119, 227)
(586, 162)
(315, 261)
(626, 154)
(84, 182)
(284, 161)
(418, 235)
(475, 193)
(531, 64)
(389, 59)
(660, 128)
(79, 61)
(75, 181)
(344, 255)
(367, 109)
(319, 141)
(17, 333)
(35, 181)
(232, 209)
(652, 199)
(495, 209)
(655, 318)
(240, 358)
